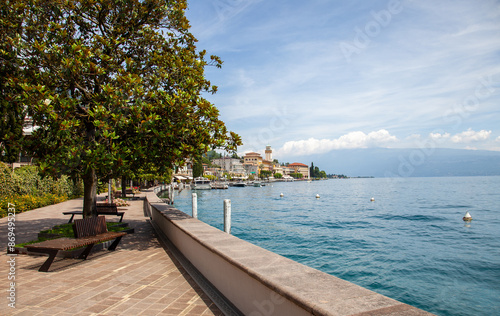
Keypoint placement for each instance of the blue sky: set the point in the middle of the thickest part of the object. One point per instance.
(310, 77)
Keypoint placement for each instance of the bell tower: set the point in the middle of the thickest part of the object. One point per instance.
(269, 153)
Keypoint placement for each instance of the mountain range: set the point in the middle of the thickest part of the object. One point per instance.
(412, 162)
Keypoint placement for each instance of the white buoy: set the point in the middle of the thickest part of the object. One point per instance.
(467, 217)
(372, 199)
(281, 195)
(317, 196)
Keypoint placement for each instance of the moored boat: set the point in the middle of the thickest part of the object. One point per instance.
(202, 184)
(220, 185)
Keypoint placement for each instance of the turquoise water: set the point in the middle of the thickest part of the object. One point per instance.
(410, 244)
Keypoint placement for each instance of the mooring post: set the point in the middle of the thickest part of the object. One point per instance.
(170, 194)
(195, 205)
(110, 193)
(173, 194)
(227, 216)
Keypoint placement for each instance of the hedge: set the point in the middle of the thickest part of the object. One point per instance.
(25, 189)
(23, 203)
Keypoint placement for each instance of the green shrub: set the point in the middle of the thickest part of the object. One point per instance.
(6, 180)
(23, 203)
(26, 189)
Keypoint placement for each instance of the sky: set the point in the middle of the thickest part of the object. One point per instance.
(311, 77)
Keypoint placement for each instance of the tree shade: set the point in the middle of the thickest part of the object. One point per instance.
(114, 86)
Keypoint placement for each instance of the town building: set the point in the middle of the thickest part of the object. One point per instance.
(252, 158)
(254, 163)
(300, 168)
(232, 166)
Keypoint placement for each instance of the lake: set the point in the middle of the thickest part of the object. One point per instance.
(409, 244)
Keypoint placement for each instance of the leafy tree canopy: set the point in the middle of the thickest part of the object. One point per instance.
(115, 87)
(12, 113)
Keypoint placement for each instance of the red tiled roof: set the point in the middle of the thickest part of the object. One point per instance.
(297, 164)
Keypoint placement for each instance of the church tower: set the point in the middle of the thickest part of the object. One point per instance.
(269, 153)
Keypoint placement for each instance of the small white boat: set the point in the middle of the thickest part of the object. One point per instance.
(202, 184)
(220, 185)
(257, 184)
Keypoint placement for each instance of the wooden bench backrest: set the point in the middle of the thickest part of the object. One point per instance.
(90, 226)
(107, 208)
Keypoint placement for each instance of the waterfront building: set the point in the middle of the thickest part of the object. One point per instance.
(300, 168)
(232, 166)
(184, 172)
(252, 158)
(267, 165)
(252, 162)
(277, 168)
(251, 169)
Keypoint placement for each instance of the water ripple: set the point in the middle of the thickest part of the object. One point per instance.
(409, 244)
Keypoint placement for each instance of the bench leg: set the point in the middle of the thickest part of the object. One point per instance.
(71, 219)
(86, 252)
(121, 217)
(115, 243)
(52, 255)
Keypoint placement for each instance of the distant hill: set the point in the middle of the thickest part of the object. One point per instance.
(384, 162)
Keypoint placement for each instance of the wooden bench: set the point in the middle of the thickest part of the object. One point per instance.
(127, 192)
(102, 209)
(88, 232)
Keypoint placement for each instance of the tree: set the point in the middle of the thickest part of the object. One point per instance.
(316, 172)
(12, 113)
(197, 168)
(265, 174)
(115, 88)
(278, 175)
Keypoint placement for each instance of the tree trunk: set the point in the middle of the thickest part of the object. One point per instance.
(124, 187)
(89, 194)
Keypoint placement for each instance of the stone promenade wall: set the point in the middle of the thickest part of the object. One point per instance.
(259, 282)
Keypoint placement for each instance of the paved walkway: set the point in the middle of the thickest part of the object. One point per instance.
(139, 278)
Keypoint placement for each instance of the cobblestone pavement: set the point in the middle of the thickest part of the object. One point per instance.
(140, 278)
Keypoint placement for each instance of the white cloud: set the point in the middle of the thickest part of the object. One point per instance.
(351, 140)
(498, 139)
(471, 136)
(439, 136)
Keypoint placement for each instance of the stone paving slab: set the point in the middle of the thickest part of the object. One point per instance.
(139, 278)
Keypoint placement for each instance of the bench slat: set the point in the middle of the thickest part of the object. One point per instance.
(65, 243)
(89, 226)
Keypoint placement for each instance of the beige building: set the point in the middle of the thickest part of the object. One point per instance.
(300, 168)
(252, 159)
